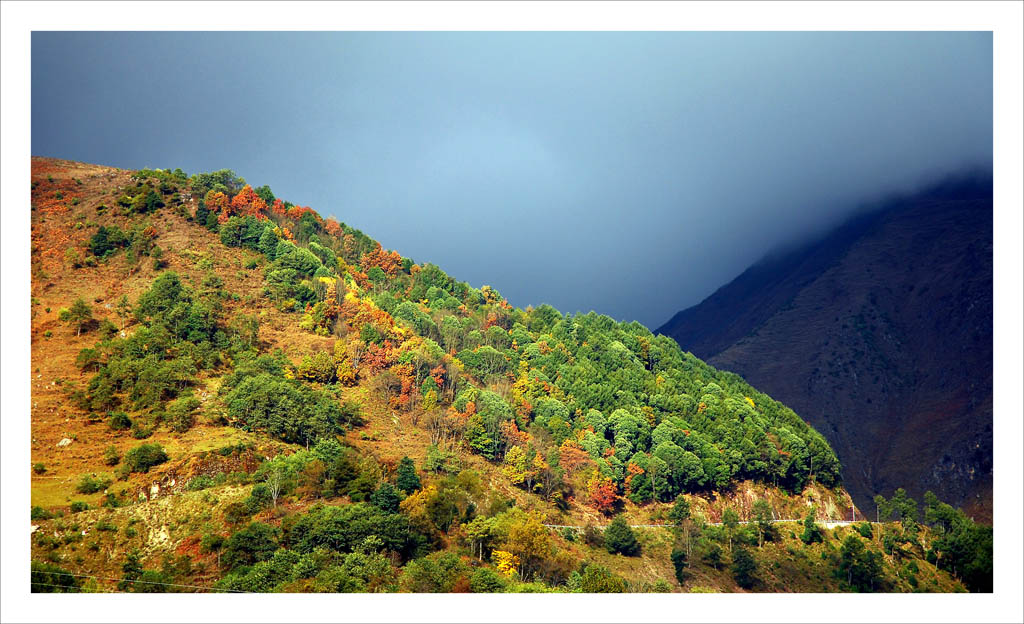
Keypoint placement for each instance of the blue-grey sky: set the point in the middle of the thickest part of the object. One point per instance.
(628, 173)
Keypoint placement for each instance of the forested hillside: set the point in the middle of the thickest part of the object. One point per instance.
(232, 393)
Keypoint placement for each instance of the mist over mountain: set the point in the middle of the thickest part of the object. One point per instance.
(880, 335)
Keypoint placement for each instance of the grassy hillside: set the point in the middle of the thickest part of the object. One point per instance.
(231, 393)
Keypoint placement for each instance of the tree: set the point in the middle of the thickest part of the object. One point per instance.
(481, 532)
(406, 478)
(680, 512)
(602, 493)
(712, 554)
(731, 522)
(256, 542)
(525, 537)
(80, 314)
(861, 567)
(680, 561)
(124, 309)
(275, 482)
(744, 567)
(680, 516)
(812, 532)
(619, 538)
(515, 465)
(387, 498)
(764, 520)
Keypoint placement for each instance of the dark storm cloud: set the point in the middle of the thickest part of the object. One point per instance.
(629, 173)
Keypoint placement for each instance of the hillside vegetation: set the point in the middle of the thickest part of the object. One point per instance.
(232, 393)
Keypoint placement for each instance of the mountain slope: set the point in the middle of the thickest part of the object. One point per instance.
(880, 335)
(232, 393)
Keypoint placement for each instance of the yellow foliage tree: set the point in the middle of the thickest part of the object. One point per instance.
(506, 562)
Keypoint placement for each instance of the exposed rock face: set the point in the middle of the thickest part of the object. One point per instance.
(880, 336)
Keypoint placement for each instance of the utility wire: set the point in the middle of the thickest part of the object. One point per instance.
(101, 578)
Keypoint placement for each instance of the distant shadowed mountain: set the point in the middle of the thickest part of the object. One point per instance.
(880, 335)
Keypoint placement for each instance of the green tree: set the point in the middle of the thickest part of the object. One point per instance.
(256, 542)
(812, 532)
(858, 566)
(619, 538)
(405, 477)
(680, 512)
(680, 561)
(387, 497)
(744, 567)
(712, 553)
(124, 310)
(79, 315)
(764, 519)
(731, 522)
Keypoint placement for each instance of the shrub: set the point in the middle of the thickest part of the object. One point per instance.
(437, 573)
(180, 413)
(597, 579)
(259, 498)
(112, 501)
(140, 431)
(39, 468)
(593, 536)
(864, 528)
(38, 513)
(199, 483)
(78, 506)
(111, 456)
(144, 457)
(47, 578)
(486, 581)
(211, 542)
(89, 485)
(236, 512)
(119, 421)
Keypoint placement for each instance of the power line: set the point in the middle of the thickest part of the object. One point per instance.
(102, 578)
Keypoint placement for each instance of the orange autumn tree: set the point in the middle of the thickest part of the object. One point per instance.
(332, 227)
(603, 496)
(218, 204)
(389, 261)
(571, 456)
(248, 203)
